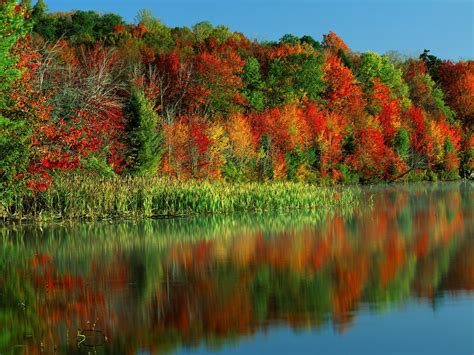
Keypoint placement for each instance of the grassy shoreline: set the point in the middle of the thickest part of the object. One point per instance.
(87, 198)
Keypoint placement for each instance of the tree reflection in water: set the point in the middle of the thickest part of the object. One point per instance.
(160, 284)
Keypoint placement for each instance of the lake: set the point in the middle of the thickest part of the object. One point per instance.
(394, 274)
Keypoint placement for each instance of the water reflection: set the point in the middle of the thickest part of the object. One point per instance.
(158, 285)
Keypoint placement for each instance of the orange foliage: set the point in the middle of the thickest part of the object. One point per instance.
(333, 43)
(457, 81)
(343, 94)
(240, 137)
(388, 109)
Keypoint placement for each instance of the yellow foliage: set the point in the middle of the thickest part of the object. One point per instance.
(240, 137)
(219, 143)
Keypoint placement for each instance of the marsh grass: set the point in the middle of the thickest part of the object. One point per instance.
(79, 197)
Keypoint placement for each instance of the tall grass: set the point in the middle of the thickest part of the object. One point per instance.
(79, 197)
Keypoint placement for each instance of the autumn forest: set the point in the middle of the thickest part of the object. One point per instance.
(194, 190)
(90, 94)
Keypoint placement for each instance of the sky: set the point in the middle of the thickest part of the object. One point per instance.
(407, 26)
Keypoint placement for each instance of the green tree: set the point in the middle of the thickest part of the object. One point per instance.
(253, 90)
(345, 59)
(43, 24)
(39, 10)
(294, 77)
(145, 139)
(402, 143)
(312, 42)
(290, 39)
(14, 130)
(158, 35)
(424, 91)
(202, 30)
(373, 65)
(432, 64)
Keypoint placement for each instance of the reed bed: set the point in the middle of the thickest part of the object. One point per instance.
(78, 197)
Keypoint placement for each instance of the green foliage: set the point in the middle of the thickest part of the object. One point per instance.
(448, 145)
(432, 64)
(80, 27)
(449, 175)
(158, 35)
(348, 177)
(254, 85)
(290, 39)
(15, 133)
(233, 171)
(145, 140)
(440, 104)
(467, 157)
(432, 176)
(39, 10)
(349, 145)
(202, 30)
(402, 143)
(96, 166)
(294, 77)
(26, 4)
(294, 160)
(15, 137)
(222, 33)
(264, 163)
(345, 59)
(12, 29)
(373, 65)
(312, 42)
(89, 197)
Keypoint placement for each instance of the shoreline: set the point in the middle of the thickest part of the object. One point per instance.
(88, 199)
(132, 199)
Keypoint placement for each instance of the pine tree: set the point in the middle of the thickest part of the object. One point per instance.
(145, 140)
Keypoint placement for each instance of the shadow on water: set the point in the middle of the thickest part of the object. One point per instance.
(158, 285)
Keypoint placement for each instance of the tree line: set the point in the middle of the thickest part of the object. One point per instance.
(90, 93)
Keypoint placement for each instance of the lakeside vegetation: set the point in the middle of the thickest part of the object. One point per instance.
(79, 197)
(151, 120)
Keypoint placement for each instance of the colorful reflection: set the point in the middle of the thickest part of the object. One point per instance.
(157, 285)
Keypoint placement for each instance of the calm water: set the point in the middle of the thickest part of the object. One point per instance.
(394, 275)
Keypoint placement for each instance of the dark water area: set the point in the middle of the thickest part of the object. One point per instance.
(393, 275)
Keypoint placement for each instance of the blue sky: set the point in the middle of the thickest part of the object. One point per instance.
(407, 26)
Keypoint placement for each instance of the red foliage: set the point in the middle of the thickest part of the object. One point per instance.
(388, 110)
(315, 118)
(139, 30)
(457, 81)
(327, 130)
(333, 43)
(343, 95)
(218, 79)
(119, 28)
(188, 144)
(372, 157)
(418, 137)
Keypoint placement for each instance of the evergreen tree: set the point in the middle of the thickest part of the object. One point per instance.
(145, 140)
